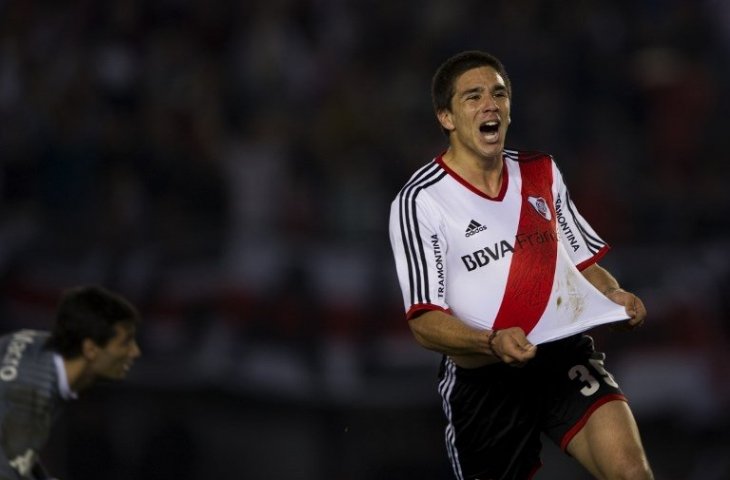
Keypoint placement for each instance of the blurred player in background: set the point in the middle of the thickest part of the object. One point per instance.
(499, 273)
(93, 338)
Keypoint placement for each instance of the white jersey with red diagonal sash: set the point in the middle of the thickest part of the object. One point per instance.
(512, 260)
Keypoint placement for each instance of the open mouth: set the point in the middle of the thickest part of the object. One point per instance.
(489, 128)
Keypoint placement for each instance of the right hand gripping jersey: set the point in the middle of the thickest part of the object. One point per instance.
(512, 260)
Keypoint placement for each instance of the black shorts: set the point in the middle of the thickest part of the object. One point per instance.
(497, 413)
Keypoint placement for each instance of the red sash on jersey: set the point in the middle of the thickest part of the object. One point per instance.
(532, 269)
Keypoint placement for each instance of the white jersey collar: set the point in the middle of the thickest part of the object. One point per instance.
(63, 386)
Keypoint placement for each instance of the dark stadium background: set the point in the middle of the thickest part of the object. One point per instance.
(228, 166)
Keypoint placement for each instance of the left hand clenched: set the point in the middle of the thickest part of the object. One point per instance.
(634, 307)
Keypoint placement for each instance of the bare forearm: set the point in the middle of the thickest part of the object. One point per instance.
(470, 347)
(600, 278)
(608, 285)
(444, 333)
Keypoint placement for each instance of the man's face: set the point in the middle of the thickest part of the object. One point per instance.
(480, 113)
(115, 359)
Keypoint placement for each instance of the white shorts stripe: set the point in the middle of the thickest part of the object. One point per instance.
(446, 386)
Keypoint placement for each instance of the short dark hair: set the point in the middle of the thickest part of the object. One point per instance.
(88, 312)
(442, 84)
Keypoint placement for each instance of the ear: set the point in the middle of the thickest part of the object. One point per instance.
(445, 119)
(89, 349)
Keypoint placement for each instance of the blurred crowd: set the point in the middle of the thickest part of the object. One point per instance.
(229, 167)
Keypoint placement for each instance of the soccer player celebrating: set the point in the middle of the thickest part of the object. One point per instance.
(499, 274)
(93, 337)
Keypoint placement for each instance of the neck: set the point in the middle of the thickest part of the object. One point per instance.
(484, 173)
(79, 378)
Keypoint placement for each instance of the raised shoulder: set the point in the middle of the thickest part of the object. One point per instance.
(525, 156)
(424, 177)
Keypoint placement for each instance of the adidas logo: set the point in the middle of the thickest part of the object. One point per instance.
(474, 228)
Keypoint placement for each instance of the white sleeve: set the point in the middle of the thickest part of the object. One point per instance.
(579, 239)
(419, 250)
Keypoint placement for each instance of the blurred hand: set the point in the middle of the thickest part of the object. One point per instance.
(512, 347)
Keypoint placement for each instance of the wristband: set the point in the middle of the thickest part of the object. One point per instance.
(490, 341)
